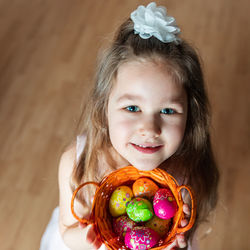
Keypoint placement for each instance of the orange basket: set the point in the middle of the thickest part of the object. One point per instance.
(102, 220)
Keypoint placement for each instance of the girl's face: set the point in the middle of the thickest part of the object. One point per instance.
(147, 114)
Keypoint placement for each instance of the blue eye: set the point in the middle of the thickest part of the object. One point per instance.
(132, 108)
(167, 111)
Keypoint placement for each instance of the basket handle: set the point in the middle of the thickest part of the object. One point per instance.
(73, 199)
(193, 209)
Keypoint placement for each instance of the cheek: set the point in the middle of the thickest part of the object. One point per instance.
(177, 136)
(118, 125)
(175, 133)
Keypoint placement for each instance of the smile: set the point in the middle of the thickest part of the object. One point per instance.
(147, 149)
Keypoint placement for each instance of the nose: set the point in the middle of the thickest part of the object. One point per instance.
(150, 127)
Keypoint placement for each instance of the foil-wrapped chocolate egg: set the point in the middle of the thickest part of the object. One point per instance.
(140, 210)
(122, 225)
(159, 225)
(141, 238)
(164, 204)
(119, 200)
(144, 187)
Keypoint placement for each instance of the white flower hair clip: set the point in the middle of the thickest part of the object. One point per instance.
(154, 21)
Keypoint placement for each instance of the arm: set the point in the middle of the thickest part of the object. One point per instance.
(75, 236)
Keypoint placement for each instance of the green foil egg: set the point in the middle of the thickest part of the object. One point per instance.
(140, 210)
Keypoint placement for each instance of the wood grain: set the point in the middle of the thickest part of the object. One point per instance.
(48, 51)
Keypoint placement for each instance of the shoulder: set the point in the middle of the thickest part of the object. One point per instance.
(71, 155)
(65, 170)
(67, 161)
(66, 167)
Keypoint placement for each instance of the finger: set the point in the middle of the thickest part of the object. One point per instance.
(184, 222)
(181, 241)
(91, 235)
(98, 243)
(93, 238)
(186, 210)
(172, 246)
(82, 225)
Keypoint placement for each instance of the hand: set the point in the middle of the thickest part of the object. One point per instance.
(180, 241)
(91, 236)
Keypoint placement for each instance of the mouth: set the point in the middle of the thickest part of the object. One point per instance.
(147, 149)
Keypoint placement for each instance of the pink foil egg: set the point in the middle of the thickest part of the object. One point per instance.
(141, 238)
(164, 204)
(123, 224)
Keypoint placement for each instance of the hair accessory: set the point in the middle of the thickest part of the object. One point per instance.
(154, 21)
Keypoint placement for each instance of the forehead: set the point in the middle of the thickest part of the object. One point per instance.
(147, 78)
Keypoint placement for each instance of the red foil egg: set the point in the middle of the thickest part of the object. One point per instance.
(123, 224)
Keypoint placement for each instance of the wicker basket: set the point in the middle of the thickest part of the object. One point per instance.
(101, 218)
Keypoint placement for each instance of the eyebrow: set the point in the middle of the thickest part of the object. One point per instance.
(129, 97)
(177, 99)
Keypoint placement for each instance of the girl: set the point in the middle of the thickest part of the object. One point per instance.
(148, 109)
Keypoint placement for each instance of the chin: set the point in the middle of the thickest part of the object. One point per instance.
(145, 166)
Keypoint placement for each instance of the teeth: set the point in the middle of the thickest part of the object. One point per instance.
(142, 146)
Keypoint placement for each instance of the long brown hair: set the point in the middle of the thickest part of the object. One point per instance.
(194, 161)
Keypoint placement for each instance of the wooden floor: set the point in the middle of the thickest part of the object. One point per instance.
(48, 51)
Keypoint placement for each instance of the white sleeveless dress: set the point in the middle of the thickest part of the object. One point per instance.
(51, 239)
